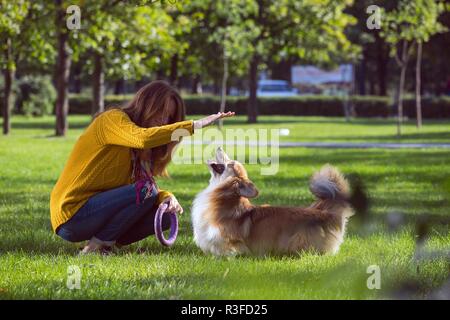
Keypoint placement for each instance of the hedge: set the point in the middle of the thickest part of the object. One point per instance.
(363, 106)
(303, 105)
(313, 105)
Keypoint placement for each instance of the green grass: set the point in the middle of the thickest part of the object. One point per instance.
(33, 261)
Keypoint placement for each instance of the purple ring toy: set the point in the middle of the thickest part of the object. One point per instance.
(173, 226)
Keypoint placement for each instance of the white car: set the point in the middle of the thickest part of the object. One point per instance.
(275, 88)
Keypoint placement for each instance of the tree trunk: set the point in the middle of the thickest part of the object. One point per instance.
(174, 70)
(8, 75)
(371, 86)
(403, 66)
(216, 86)
(196, 85)
(253, 86)
(400, 100)
(418, 83)
(77, 85)
(160, 75)
(281, 70)
(62, 71)
(119, 86)
(362, 74)
(223, 97)
(98, 85)
(382, 61)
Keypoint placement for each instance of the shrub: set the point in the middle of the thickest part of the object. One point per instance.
(36, 95)
(314, 105)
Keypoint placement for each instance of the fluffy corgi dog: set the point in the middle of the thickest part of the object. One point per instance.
(226, 223)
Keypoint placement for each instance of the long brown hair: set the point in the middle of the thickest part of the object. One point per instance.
(145, 110)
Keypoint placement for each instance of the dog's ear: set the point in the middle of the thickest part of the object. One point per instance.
(247, 189)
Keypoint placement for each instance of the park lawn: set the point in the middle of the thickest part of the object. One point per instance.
(34, 262)
(302, 129)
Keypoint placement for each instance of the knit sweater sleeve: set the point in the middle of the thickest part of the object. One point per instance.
(162, 194)
(116, 128)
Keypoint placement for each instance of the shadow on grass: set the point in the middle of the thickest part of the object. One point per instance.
(311, 120)
(35, 236)
(327, 120)
(390, 158)
(423, 137)
(31, 231)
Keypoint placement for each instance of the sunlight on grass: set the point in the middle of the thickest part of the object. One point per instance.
(33, 261)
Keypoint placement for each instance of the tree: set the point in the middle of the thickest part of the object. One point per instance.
(412, 22)
(117, 39)
(13, 15)
(375, 58)
(233, 36)
(128, 42)
(24, 40)
(427, 15)
(179, 36)
(62, 68)
(310, 30)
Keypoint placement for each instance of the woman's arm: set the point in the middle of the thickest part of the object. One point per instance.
(162, 195)
(115, 127)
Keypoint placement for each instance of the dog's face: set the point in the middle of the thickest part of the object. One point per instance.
(225, 170)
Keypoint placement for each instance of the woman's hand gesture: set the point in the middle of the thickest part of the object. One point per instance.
(212, 118)
(173, 204)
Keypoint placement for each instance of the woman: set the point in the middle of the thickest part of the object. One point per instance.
(106, 193)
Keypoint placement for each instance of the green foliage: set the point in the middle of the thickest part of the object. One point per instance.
(12, 16)
(310, 30)
(24, 23)
(131, 39)
(36, 95)
(415, 20)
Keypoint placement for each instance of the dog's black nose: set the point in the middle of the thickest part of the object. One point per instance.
(217, 167)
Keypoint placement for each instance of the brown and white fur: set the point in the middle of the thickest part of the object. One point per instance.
(226, 223)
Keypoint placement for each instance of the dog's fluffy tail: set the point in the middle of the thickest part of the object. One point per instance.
(331, 189)
(329, 184)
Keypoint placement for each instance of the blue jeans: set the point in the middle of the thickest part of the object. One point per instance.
(114, 216)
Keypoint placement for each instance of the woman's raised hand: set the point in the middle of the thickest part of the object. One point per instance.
(212, 118)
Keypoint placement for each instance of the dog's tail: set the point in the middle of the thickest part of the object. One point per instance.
(332, 190)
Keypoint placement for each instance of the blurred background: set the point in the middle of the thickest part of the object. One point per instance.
(363, 85)
(329, 58)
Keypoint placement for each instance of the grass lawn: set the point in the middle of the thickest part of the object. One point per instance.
(34, 262)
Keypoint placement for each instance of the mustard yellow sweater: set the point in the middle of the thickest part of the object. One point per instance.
(101, 160)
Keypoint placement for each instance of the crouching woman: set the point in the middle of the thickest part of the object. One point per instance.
(106, 192)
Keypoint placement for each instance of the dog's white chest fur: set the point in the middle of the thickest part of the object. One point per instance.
(206, 236)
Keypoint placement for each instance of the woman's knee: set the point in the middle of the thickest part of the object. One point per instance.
(67, 234)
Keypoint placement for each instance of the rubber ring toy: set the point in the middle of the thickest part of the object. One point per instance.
(173, 225)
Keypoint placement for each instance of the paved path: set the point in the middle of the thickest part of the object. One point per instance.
(335, 145)
(364, 145)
